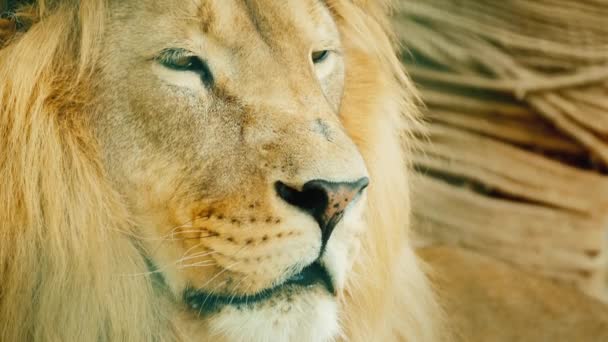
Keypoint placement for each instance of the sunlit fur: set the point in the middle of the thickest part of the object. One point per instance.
(67, 255)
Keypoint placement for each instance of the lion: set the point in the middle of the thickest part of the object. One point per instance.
(219, 170)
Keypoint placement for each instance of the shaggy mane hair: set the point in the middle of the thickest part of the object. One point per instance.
(68, 254)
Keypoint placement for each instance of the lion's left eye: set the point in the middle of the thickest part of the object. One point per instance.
(319, 56)
(183, 63)
(181, 60)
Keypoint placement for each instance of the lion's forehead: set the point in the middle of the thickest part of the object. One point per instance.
(257, 14)
(234, 22)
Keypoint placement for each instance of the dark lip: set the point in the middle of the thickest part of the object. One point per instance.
(312, 275)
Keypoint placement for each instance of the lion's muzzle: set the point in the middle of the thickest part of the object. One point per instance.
(325, 201)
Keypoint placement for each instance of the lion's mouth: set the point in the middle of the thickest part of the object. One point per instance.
(313, 275)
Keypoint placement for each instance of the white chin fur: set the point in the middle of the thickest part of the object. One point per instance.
(307, 317)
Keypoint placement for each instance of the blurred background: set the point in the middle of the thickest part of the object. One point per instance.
(514, 161)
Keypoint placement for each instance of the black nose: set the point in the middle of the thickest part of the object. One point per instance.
(323, 200)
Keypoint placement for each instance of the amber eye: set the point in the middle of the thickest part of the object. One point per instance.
(182, 60)
(183, 63)
(319, 56)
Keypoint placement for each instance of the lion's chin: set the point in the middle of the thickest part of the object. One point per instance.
(309, 315)
(301, 308)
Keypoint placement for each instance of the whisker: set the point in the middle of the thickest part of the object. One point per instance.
(183, 239)
(195, 256)
(247, 298)
(214, 277)
(199, 264)
(200, 310)
(226, 269)
(147, 238)
(234, 294)
(185, 255)
(174, 263)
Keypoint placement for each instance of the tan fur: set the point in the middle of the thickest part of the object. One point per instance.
(102, 162)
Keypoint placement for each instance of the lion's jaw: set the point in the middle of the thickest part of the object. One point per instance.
(203, 157)
(291, 313)
(296, 314)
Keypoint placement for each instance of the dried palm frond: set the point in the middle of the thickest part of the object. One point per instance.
(517, 108)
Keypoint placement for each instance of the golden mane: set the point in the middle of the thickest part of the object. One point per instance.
(67, 261)
(394, 301)
(62, 255)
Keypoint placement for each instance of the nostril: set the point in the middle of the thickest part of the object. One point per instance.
(325, 201)
(312, 200)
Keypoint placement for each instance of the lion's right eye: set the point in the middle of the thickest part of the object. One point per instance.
(319, 56)
(182, 60)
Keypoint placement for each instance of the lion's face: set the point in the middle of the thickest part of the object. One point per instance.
(222, 130)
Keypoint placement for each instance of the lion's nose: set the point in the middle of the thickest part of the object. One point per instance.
(325, 201)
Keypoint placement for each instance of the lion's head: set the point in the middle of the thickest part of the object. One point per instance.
(206, 170)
